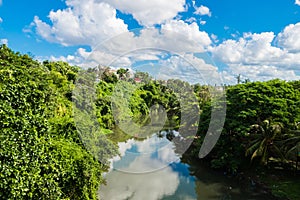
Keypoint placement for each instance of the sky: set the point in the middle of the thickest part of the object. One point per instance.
(215, 39)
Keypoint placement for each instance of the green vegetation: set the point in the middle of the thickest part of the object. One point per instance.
(261, 123)
(261, 130)
(48, 152)
(41, 155)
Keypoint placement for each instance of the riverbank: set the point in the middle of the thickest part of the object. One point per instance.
(274, 184)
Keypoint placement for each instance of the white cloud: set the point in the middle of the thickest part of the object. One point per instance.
(174, 36)
(202, 10)
(251, 49)
(82, 23)
(191, 20)
(214, 38)
(259, 73)
(202, 22)
(193, 2)
(1, 20)
(74, 60)
(297, 2)
(0, 2)
(86, 59)
(150, 12)
(289, 38)
(255, 56)
(186, 33)
(4, 41)
(189, 68)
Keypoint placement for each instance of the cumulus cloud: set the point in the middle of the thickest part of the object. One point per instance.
(259, 73)
(251, 48)
(297, 2)
(151, 12)
(289, 38)
(174, 36)
(202, 10)
(91, 22)
(188, 33)
(87, 59)
(1, 20)
(94, 23)
(82, 23)
(256, 57)
(189, 68)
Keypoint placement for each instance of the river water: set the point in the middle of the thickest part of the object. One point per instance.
(150, 169)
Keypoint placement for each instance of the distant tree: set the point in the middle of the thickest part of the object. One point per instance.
(238, 79)
(108, 76)
(122, 73)
(143, 76)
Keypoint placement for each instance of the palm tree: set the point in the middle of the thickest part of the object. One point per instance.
(291, 145)
(265, 137)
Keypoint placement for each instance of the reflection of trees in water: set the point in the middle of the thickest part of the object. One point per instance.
(180, 141)
(170, 135)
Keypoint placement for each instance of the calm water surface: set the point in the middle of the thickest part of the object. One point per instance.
(150, 169)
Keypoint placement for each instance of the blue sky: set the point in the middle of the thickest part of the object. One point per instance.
(257, 39)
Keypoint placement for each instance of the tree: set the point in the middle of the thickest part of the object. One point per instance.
(263, 144)
(108, 76)
(122, 73)
(143, 76)
(238, 79)
(248, 102)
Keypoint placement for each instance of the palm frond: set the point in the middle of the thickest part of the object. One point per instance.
(279, 152)
(252, 149)
(255, 154)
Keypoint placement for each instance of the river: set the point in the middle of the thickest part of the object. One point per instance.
(150, 169)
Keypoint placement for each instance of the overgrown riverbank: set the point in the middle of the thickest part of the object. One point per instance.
(43, 153)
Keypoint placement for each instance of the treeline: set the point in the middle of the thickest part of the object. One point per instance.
(49, 149)
(137, 95)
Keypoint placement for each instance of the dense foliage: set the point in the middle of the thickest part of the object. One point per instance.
(134, 99)
(262, 123)
(41, 155)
